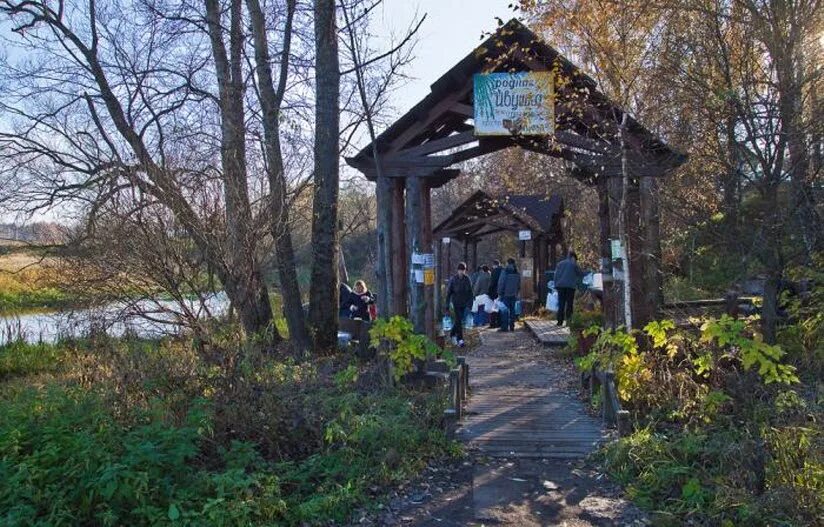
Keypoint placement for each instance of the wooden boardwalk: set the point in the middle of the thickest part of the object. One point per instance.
(547, 332)
(520, 406)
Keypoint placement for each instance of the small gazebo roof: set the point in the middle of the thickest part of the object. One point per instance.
(482, 214)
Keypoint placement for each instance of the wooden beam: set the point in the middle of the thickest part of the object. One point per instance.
(465, 110)
(437, 145)
(431, 116)
(384, 273)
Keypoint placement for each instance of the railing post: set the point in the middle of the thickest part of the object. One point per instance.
(464, 377)
(624, 425)
(608, 392)
(450, 422)
(455, 391)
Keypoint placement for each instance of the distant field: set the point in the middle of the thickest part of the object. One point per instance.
(11, 243)
(28, 281)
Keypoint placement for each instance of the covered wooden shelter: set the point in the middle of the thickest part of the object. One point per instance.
(605, 147)
(534, 219)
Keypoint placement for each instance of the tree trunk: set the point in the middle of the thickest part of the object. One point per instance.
(244, 280)
(271, 100)
(323, 294)
(790, 109)
(731, 177)
(651, 246)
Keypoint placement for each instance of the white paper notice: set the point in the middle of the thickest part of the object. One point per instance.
(419, 276)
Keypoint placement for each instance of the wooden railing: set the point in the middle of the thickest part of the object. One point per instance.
(611, 410)
(457, 393)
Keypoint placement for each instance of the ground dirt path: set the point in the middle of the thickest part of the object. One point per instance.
(528, 437)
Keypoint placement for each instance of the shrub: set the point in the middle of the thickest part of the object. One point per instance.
(151, 433)
(66, 460)
(404, 346)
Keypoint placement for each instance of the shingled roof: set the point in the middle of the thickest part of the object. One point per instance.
(483, 214)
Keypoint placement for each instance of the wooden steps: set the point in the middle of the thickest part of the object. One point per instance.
(548, 332)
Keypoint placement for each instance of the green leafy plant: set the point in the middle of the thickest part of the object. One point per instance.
(617, 350)
(732, 335)
(404, 346)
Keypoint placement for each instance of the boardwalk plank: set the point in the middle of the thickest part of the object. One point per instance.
(518, 409)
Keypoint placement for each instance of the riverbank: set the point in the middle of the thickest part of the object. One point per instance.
(148, 432)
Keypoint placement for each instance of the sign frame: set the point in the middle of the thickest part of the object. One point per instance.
(517, 103)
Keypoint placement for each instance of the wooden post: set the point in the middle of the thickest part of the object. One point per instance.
(466, 251)
(400, 256)
(464, 376)
(553, 254)
(448, 264)
(426, 247)
(474, 254)
(455, 391)
(438, 276)
(641, 310)
(383, 192)
(414, 243)
(537, 268)
(614, 298)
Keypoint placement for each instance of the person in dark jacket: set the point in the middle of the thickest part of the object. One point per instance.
(509, 285)
(459, 293)
(567, 275)
(494, 318)
(482, 283)
(473, 277)
(359, 301)
(344, 296)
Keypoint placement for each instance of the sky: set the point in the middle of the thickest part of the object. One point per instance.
(451, 30)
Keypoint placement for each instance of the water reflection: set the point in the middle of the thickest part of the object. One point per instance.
(145, 319)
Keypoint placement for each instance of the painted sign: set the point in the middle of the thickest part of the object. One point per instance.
(520, 103)
(428, 277)
(524, 235)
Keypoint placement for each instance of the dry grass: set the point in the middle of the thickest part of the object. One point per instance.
(29, 280)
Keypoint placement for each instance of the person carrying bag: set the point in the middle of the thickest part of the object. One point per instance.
(459, 294)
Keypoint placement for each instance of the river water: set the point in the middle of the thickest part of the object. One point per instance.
(145, 319)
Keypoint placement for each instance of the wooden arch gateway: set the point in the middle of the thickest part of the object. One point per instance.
(604, 146)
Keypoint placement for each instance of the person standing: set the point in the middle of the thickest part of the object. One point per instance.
(473, 277)
(344, 297)
(494, 317)
(483, 282)
(480, 290)
(459, 293)
(567, 275)
(359, 301)
(509, 285)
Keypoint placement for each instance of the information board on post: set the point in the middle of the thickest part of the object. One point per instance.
(519, 103)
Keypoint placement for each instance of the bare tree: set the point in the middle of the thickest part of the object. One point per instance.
(323, 293)
(271, 99)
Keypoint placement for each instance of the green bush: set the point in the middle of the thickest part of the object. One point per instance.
(66, 460)
(404, 346)
(147, 433)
